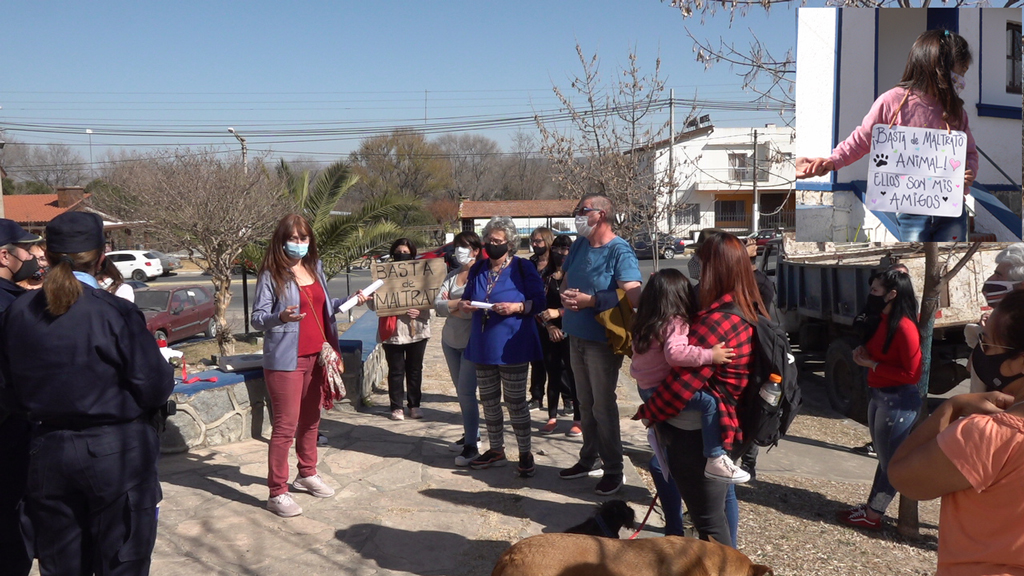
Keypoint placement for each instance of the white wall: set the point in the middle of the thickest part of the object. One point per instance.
(815, 81)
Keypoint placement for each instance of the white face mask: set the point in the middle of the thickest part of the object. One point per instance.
(582, 227)
(959, 82)
(106, 283)
(463, 256)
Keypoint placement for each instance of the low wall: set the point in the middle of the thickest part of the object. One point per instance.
(236, 407)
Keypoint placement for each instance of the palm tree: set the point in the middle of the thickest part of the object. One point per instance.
(341, 238)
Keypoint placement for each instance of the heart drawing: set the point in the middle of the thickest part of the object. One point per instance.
(883, 192)
(955, 164)
(944, 198)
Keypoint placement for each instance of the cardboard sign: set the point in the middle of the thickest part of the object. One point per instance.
(916, 170)
(408, 285)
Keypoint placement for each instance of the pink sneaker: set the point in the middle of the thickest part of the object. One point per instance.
(549, 427)
(575, 431)
(858, 518)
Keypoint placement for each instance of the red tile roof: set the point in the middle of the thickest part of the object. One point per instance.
(517, 208)
(29, 208)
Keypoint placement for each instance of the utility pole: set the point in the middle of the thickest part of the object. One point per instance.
(756, 208)
(245, 159)
(92, 167)
(671, 156)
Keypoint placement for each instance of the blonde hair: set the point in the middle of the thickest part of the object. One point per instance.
(60, 285)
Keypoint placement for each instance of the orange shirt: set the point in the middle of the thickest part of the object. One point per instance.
(981, 531)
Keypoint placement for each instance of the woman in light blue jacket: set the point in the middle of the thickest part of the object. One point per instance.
(296, 314)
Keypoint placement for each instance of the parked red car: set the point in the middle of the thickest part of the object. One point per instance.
(447, 252)
(174, 314)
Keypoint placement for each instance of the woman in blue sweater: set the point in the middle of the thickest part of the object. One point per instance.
(504, 338)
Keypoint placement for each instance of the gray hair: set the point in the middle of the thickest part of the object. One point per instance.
(506, 225)
(1015, 256)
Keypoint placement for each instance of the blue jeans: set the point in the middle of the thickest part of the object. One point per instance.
(463, 374)
(711, 428)
(891, 415)
(672, 502)
(918, 228)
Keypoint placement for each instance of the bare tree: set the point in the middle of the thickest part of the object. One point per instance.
(52, 166)
(202, 202)
(525, 173)
(475, 161)
(612, 142)
(401, 162)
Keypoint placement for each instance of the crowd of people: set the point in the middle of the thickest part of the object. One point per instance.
(692, 348)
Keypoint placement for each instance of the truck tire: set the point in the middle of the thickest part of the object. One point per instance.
(845, 383)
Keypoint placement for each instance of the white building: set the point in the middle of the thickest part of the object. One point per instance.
(847, 57)
(722, 172)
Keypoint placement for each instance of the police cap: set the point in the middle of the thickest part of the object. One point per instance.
(12, 233)
(74, 232)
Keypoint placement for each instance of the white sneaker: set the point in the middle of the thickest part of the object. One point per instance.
(284, 506)
(398, 414)
(315, 485)
(723, 469)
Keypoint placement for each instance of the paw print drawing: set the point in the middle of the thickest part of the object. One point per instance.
(880, 160)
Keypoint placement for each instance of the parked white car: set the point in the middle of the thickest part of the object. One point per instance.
(139, 265)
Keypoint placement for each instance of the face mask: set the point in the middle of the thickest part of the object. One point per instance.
(402, 257)
(556, 259)
(874, 305)
(959, 82)
(987, 367)
(582, 227)
(540, 250)
(28, 268)
(463, 256)
(295, 250)
(994, 290)
(496, 251)
(106, 283)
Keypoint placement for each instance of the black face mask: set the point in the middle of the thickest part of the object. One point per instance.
(987, 368)
(28, 268)
(540, 250)
(556, 259)
(496, 251)
(874, 305)
(402, 257)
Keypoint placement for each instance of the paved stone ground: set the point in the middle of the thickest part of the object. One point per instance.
(402, 506)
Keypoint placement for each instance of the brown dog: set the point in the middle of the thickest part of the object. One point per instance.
(582, 555)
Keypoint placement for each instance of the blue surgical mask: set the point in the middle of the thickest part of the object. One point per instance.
(295, 250)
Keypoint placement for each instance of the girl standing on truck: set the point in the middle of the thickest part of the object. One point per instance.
(926, 97)
(893, 358)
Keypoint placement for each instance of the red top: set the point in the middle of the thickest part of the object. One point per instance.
(725, 382)
(311, 336)
(902, 363)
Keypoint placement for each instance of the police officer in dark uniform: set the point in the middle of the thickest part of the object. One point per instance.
(80, 362)
(16, 264)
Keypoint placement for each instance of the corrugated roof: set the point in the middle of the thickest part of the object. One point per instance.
(517, 208)
(28, 208)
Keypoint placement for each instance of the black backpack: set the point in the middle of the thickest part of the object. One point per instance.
(762, 423)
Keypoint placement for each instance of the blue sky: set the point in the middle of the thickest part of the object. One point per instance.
(180, 73)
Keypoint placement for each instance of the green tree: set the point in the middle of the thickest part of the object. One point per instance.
(402, 162)
(341, 238)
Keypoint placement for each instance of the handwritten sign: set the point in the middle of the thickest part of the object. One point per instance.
(916, 170)
(408, 285)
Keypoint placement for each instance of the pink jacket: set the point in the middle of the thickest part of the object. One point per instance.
(919, 111)
(652, 367)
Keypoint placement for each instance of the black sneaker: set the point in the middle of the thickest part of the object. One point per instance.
(535, 405)
(579, 471)
(608, 485)
(469, 453)
(526, 466)
(488, 459)
(865, 450)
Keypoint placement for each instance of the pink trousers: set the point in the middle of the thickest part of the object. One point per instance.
(295, 403)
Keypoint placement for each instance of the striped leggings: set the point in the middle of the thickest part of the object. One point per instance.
(491, 379)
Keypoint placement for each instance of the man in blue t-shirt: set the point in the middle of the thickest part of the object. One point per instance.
(598, 263)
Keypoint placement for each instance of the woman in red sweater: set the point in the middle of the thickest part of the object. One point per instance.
(892, 357)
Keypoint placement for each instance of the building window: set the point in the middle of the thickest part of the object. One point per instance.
(730, 211)
(738, 168)
(1013, 62)
(688, 215)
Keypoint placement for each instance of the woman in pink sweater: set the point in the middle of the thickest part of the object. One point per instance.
(660, 343)
(926, 97)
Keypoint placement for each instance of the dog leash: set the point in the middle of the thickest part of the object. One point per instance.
(648, 515)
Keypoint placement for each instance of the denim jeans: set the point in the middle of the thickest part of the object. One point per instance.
(891, 415)
(918, 228)
(711, 428)
(596, 369)
(672, 502)
(463, 374)
(706, 499)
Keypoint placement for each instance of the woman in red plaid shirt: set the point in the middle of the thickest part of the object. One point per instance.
(730, 303)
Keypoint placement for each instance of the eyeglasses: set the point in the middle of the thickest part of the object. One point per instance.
(537, 241)
(983, 344)
(584, 211)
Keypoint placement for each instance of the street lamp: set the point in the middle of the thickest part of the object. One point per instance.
(92, 167)
(245, 161)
